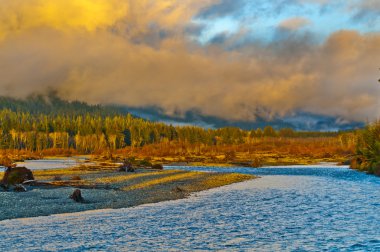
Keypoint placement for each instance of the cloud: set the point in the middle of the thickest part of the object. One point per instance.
(128, 17)
(371, 4)
(143, 58)
(368, 10)
(294, 23)
(321, 2)
(18, 15)
(222, 8)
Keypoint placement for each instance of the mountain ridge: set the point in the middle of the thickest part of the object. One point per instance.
(300, 121)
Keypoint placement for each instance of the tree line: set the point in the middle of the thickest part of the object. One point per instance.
(37, 123)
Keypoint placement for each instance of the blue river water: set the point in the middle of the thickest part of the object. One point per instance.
(286, 209)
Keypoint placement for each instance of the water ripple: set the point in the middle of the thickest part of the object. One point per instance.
(288, 209)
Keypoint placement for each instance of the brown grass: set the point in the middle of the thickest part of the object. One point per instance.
(265, 151)
(123, 178)
(164, 180)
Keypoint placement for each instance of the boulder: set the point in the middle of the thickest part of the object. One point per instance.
(77, 196)
(17, 175)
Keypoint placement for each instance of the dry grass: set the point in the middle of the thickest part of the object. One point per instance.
(217, 180)
(164, 180)
(270, 151)
(123, 178)
(188, 181)
(51, 174)
(74, 171)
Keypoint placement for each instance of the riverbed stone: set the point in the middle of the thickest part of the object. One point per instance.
(77, 196)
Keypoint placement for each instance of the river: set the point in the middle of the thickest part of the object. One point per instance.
(297, 208)
(52, 163)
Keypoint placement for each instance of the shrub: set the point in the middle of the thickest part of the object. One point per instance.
(145, 163)
(230, 155)
(368, 150)
(57, 178)
(158, 167)
(256, 162)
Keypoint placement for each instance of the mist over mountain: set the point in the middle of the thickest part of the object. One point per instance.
(301, 121)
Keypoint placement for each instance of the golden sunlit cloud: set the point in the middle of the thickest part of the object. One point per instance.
(64, 15)
(112, 51)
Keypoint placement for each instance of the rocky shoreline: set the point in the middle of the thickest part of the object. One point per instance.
(105, 187)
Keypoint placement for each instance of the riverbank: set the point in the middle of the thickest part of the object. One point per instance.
(287, 209)
(104, 187)
(240, 160)
(257, 152)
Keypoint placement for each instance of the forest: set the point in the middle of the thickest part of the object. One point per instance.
(51, 126)
(36, 124)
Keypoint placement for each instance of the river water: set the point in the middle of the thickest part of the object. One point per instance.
(287, 209)
(51, 163)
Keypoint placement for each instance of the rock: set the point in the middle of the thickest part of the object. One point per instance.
(19, 188)
(77, 196)
(17, 175)
(157, 167)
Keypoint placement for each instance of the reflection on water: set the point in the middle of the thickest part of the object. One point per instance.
(45, 164)
(287, 209)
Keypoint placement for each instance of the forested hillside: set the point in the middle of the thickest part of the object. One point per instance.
(53, 105)
(40, 123)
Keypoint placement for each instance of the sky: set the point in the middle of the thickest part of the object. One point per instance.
(235, 59)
